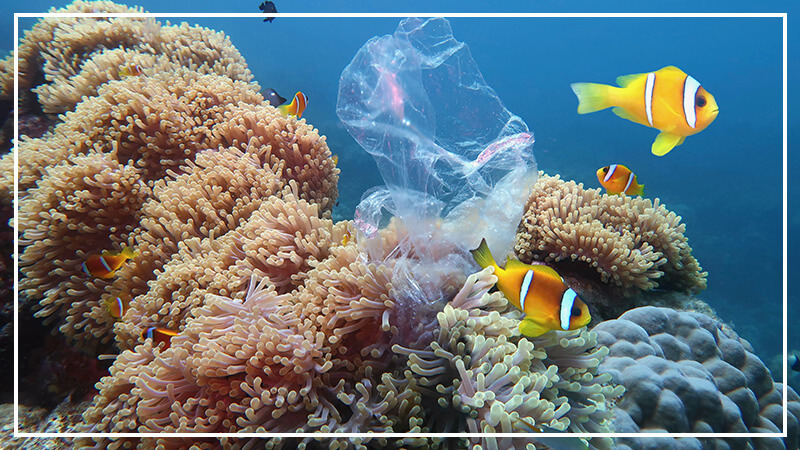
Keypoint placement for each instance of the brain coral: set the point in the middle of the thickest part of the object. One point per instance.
(633, 243)
(685, 372)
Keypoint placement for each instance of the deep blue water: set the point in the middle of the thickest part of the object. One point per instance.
(725, 182)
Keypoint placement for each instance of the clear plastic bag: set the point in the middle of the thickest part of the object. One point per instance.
(457, 164)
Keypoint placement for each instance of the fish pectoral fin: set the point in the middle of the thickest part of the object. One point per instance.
(532, 329)
(665, 142)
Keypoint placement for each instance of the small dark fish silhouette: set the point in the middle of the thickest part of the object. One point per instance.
(273, 97)
(268, 7)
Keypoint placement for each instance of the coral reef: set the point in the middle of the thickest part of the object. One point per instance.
(63, 59)
(121, 170)
(317, 359)
(684, 372)
(285, 320)
(479, 365)
(633, 243)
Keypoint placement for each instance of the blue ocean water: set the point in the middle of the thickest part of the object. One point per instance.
(725, 182)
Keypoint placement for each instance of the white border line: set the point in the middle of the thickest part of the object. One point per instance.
(15, 204)
(17, 16)
(404, 15)
(785, 229)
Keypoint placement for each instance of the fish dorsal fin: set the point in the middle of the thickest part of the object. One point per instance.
(513, 263)
(625, 80)
(541, 269)
(672, 69)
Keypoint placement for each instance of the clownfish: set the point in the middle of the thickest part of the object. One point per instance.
(159, 335)
(131, 70)
(297, 106)
(539, 291)
(667, 99)
(116, 307)
(617, 178)
(106, 264)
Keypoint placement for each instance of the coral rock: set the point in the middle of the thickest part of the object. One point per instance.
(699, 376)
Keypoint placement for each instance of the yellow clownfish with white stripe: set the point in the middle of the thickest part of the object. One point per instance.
(539, 291)
(667, 99)
(617, 179)
(297, 106)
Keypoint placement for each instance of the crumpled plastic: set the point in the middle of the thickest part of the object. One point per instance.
(458, 165)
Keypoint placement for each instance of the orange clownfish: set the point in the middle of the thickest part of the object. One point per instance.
(131, 70)
(617, 178)
(106, 264)
(667, 99)
(297, 106)
(539, 291)
(116, 307)
(159, 335)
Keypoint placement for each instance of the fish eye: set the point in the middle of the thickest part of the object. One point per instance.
(605, 169)
(576, 311)
(700, 101)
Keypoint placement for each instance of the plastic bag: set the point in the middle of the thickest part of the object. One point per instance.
(442, 138)
(457, 164)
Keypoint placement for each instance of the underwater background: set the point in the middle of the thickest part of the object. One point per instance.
(725, 182)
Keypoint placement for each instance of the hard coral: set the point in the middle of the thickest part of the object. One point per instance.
(632, 243)
(684, 372)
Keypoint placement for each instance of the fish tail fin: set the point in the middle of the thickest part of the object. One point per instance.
(128, 252)
(284, 109)
(641, 190)
(483, 256)
(592, 96)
